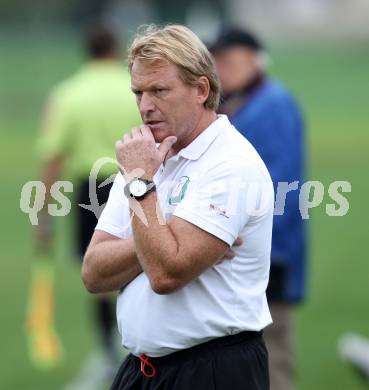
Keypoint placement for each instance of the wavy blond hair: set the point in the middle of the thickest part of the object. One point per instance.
(178, 45)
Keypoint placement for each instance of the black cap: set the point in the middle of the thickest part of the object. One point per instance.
(235, 37)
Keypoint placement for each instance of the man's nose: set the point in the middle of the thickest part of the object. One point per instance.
(146, 103)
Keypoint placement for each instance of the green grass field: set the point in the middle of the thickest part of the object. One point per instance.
(333, 87)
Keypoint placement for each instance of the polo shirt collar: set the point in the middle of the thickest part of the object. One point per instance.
(199, 145)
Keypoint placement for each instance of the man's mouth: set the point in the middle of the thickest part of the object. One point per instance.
(153, 124)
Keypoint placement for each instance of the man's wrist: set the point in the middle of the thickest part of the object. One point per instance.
(138, 188)
(130, 177)
(147, 177)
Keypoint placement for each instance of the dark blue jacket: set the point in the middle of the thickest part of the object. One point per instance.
(271, 120)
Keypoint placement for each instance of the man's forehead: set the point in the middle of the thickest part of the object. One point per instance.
(146, 72)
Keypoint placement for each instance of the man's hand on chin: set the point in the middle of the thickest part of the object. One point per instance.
(138, 150)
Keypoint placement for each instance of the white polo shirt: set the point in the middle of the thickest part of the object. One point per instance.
(220, 184)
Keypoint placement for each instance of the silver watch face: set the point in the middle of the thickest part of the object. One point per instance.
(137, 187)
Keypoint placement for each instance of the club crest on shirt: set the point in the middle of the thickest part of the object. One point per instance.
(179, 191)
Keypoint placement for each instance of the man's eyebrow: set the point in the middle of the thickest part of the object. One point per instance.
(152, 87)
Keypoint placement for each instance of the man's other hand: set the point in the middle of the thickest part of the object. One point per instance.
(230, 254)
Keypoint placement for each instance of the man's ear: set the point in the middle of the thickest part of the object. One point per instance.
(203, 89)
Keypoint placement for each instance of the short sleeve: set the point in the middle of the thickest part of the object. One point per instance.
(56, 137)
(115, 218)
(223, 201)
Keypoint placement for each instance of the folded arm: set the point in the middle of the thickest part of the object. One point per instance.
(110, 263)
(173, 254)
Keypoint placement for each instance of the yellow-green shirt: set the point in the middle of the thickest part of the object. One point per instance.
(86, 115)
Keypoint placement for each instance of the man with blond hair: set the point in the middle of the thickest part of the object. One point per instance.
(190, 187)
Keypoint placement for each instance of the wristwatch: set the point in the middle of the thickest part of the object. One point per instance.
(138, 188)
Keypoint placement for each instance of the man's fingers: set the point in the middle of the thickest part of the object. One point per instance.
(167, 144)
(145, 130)
(238, 242)
(229, 254)
(136, 132)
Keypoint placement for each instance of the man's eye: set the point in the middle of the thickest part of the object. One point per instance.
(159, 91)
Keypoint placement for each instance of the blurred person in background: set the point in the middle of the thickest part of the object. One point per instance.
(84, 116)
(268, 116)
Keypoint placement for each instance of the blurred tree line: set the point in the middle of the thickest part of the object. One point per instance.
(78, 12)
(18, 11)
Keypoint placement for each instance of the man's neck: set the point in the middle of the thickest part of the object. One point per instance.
(205, 120)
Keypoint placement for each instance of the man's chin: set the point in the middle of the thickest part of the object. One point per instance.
(160, 138)
(160, 133)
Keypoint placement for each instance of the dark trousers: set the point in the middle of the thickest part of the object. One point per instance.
(237, 362)
(103, 306)
(85, 219)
